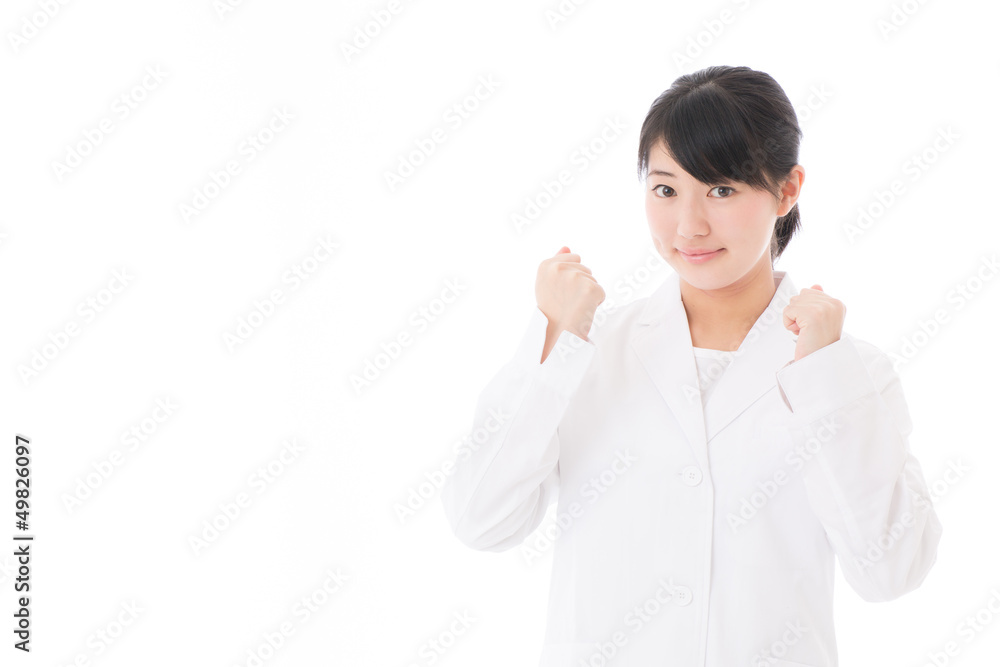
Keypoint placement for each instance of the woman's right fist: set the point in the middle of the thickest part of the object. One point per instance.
(567, 293)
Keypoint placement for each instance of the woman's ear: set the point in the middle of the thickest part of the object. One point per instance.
(791, 189)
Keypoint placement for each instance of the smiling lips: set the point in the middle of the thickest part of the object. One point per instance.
(699, 255)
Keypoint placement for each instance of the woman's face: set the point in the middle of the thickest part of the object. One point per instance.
(730, 218)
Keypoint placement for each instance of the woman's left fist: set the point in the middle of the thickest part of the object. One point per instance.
(816, 317)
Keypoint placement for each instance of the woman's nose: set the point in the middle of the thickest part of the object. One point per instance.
(690, 217)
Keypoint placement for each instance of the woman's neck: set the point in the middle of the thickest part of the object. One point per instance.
(720, 319)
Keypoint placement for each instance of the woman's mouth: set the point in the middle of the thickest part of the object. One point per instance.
(700, 257)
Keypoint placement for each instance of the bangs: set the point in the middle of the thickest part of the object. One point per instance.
(709, 136)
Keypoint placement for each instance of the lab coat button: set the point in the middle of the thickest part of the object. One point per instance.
(691, 476)
(682, 596)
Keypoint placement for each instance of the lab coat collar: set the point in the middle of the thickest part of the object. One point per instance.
(662, 341)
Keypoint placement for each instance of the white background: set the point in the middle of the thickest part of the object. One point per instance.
(868, 101)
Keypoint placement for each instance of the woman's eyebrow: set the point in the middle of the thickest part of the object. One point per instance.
(660, 172)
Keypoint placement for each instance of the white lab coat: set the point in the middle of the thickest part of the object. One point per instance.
(691, 537)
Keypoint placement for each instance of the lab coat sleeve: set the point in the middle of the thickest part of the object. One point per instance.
(850, 430)
(500, 488)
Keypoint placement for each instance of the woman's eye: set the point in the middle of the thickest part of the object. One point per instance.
(725, 191)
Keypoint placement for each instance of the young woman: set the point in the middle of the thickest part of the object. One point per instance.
(714, 448)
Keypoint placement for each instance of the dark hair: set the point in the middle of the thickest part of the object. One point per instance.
(728, 124)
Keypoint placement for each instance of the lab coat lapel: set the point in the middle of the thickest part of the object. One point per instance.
(768, 347)
(662, 341)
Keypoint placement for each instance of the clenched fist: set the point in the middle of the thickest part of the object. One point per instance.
(816, 318)
(568, 294)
